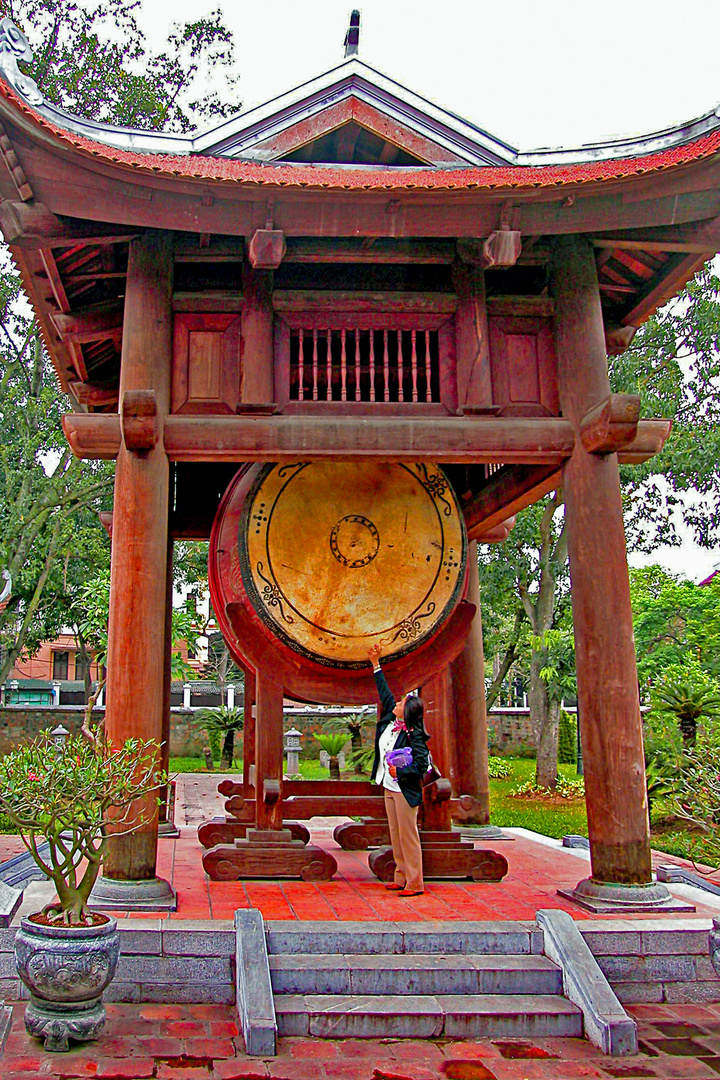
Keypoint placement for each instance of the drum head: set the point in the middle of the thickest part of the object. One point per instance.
(336, 556)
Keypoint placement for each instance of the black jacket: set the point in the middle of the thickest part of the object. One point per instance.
(409, 778)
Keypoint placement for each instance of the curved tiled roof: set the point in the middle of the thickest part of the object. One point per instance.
(369, 178)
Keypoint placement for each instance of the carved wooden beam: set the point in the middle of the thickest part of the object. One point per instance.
(650, 439)
(612, 424)
(94, 394)
(498, 534)
(138, 420)
(32, 225)
(266, 249)
(13, 168)
(94, 323)
(543, 440)
(502, 248)
(508, 491)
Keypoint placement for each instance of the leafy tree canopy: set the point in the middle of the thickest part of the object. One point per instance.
(92, 59)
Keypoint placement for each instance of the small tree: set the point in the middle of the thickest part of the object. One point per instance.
(332, 744)
(353, 725)
(223, 722)
(66, 795)
(689, 702)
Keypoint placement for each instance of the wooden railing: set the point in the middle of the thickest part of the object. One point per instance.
(394, 365)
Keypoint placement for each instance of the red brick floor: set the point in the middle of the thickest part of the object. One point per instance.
(535, 874)
(189, 1042)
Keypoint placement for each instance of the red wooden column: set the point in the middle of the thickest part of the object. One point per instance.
(467, 676)
(137, 624)
(257, 334)
(248, 727)
(605, 653)
(268, 753)
(166, 827)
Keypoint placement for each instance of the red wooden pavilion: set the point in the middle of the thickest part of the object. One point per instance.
(349, 276)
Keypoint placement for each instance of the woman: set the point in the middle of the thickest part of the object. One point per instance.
(401, 725)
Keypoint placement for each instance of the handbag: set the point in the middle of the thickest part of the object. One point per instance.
(433, 774)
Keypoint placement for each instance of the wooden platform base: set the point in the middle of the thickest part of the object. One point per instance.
(443, 858)
(361, 835)
(265, 857)
(226, 830)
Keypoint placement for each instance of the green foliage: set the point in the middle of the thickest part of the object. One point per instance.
(676, 625)
(222, 723)
(696, 800)
(674, 364)
(499, 768)
(66, 796)
(566, 788)
(567, 739)
(549, 816)
(689, 703)
(331, 742)
(93, 60)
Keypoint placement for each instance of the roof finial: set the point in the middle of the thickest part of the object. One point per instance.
(352, 37)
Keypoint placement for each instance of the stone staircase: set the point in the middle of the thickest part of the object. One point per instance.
(415, 980)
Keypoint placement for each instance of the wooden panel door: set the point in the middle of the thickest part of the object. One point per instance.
(206, 363)
(523, 367)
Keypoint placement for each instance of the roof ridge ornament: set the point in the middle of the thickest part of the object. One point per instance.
(352, 37)
(14, 47)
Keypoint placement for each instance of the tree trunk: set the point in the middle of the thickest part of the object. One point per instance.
(547, 758)
(356, 745)
(334, 766)
(228, 749)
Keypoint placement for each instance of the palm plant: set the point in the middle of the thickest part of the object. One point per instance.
(689, 703)
(223, 722)
(332, 744)
(353, 724)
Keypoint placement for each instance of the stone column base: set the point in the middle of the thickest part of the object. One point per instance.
(604, 896)
(152, 894)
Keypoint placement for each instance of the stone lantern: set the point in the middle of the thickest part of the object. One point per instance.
(292, 749)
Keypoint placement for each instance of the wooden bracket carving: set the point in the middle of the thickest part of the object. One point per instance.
(266, 249)
(611, 425)
(440, 791)
(138, 419)
(94, 394)
(502, 248)
(271, 792)
(618, 338)
(498, 533)
(106, 520)
(14, 168)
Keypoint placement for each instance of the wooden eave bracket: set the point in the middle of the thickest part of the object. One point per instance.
(611, 425)
(498, 534)
(32, 225)
(266, 249)
(271, 791)
(14, 168)
(139, 421)
(618, 339)
(96, 323)
(106, 520)
(94, 395)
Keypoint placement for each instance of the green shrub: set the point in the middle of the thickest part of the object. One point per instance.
(499, 768)
(565, 789)
(567, 739)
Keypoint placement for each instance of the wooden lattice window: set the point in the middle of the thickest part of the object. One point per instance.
(359, 358)
(364, 365)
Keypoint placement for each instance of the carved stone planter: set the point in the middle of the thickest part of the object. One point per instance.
(66, 969)
(714, 943)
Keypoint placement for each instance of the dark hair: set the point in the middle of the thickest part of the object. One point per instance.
(413, 711)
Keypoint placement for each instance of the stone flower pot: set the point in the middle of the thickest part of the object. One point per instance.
(66, 969)
(714, 943)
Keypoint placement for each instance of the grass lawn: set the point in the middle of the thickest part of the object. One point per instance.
(554, 817)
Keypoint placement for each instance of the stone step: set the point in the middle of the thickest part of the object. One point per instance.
(377, 938)
(413, 973)
(343, 1016)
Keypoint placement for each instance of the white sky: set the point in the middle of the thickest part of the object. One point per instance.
(537, 73)
(543, 73)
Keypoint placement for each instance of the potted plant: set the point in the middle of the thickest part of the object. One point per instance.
(66, 789)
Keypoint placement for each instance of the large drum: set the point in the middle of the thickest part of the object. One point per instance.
(323, 559)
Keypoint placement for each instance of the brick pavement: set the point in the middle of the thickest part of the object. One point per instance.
(201, 1042)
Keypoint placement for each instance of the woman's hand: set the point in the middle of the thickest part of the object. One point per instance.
(374, 654)
(393, 771)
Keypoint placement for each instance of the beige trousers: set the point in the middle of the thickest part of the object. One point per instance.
(405, 840)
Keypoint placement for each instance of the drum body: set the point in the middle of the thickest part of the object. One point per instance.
(318, 561)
